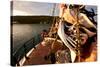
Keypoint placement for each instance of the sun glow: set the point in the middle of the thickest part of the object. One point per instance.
(18, 12)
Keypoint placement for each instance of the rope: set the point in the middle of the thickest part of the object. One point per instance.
(53, 12)
(78, 34)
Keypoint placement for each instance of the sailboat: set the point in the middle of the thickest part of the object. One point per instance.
(63, 47)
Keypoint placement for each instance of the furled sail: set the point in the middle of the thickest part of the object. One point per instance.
(63, 37)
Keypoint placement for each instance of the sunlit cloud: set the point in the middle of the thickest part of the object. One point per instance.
(18, 12)
(32, 8)
(37, 8)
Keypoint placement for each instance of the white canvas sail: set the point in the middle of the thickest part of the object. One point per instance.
(63, 37)
(84, 20)
(71, 16)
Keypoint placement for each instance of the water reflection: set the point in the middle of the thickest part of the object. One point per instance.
(23, 32)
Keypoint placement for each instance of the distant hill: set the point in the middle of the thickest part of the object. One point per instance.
(32, 19)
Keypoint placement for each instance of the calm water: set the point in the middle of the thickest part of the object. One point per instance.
(24, 32)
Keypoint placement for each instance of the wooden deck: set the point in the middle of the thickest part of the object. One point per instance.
(37, 56)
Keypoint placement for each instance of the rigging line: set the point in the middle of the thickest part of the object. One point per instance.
(71, 41)
(78, 34)
(77, 31)
(54, 42)
(53, 12)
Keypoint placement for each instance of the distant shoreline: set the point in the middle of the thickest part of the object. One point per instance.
(32, 19)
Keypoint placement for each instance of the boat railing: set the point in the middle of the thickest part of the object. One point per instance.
(22, 51)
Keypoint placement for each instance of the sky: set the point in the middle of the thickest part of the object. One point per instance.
(33, 8)
(36, 8)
